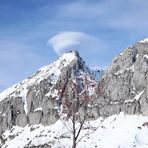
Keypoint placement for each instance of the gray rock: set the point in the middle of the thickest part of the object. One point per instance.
(125, 83)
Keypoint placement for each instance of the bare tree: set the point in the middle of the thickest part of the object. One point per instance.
(75, 105)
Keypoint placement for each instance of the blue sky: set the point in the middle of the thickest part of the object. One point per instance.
(34, 33)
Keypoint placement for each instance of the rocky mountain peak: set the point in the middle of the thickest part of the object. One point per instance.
(74, 52)
(130, 56)
(43, 73)
(37, 99)
(125, 82)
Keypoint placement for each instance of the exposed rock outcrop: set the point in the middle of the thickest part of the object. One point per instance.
(124, 87)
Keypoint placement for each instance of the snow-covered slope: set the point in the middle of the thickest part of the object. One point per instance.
(122, 131)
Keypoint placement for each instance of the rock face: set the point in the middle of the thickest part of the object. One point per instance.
(38, 99)
(124, 87)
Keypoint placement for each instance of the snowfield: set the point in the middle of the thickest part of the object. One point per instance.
(118, 131)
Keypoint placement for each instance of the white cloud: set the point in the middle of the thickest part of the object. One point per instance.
(91, 49)
(75, 41)
(127, 15)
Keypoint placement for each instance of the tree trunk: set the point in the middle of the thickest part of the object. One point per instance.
(74, 142)
(74, 132)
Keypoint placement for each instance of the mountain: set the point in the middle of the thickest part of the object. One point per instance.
(125, 82)
(38, 98)
(117, 109)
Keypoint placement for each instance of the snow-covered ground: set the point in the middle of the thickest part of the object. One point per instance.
(118, 131)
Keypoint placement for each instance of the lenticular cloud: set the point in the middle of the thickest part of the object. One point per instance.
(73, 41)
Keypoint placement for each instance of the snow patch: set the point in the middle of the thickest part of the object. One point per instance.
(124, 69)
(137, 56)
(119, 72)
(137, 97)
(38, 109)
(144, 41)
(146, 56)
(52, 93)
(131, 68)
